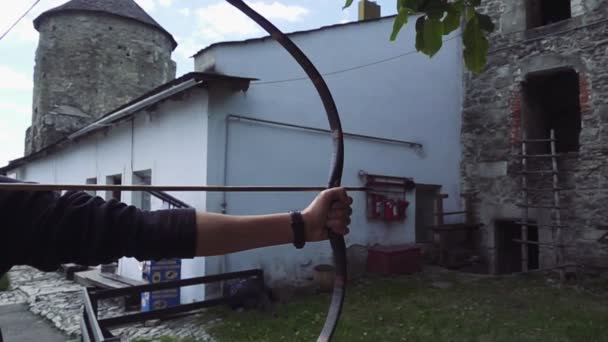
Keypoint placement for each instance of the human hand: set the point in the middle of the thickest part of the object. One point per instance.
(330, 209)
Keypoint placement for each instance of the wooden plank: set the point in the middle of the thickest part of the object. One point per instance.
(539, 206)
(538, 140)
(121, 279)
(455, 227)
(94, 278)
(452, 213)
(527, 156)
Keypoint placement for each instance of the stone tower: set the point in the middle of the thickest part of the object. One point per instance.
(92, 57)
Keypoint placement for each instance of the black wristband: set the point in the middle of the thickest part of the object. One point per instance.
(297, 226)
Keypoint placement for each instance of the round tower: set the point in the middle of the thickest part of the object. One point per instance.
(92, 57)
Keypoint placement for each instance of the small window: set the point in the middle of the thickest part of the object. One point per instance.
(545, 12)
(141, 199)
(552, 102)
(91, 181)
(114, 180)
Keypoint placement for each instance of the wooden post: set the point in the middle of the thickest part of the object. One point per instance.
(524, 209)
(557, 231)
(438, 220)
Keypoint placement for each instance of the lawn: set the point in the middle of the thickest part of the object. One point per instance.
(409, 308)
(4, 284)
(433, 306)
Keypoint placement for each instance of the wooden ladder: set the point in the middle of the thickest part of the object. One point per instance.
(556, 222)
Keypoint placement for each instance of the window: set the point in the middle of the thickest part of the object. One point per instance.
(545, 12)
(91, 181)
(551, 101)
(141, 199)
(113, 180)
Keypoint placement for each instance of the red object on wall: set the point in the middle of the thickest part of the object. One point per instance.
(389, 210)
(402, 207)
(399, 259)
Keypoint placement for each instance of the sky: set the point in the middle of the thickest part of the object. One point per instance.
(193, 23)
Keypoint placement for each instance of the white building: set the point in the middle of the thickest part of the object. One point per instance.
(215, 130)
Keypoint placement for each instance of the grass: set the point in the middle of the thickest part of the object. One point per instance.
(164, 339)
(4, 283)
(409, 309)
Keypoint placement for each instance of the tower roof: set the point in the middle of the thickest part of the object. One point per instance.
(122, 8)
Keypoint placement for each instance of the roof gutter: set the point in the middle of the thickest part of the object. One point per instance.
(108, 120)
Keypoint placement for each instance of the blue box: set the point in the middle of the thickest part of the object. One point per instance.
(157, 272)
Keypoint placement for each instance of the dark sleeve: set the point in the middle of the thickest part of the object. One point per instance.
(44, 230)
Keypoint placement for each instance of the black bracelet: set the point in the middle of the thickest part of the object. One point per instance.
(297, 225)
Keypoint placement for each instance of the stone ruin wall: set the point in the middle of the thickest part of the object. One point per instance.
(492, 123)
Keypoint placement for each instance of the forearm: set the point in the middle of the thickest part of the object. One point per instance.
(221, 234)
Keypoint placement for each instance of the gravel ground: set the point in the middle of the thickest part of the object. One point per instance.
(58, 300)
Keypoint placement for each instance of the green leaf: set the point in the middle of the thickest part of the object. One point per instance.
(400, 20)
(458, 5)
(435, 9)
(451, 22)
(470, 13)
(420, 33)
(474, 3)
(347, 4)
(414, 5)
(433, 32)
(475, 46)
(485, 22)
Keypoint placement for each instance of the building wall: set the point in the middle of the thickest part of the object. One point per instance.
(168, 140)
(88, 64)
(492, 125)
(397, 99)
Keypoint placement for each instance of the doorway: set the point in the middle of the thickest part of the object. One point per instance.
(426, 194)
(508, 252)
(551, 101)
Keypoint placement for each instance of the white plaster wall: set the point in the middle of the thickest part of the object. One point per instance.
(410, 98)
(170, 141)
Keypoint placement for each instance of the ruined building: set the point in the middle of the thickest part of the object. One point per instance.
(92, 57)
(547, 70)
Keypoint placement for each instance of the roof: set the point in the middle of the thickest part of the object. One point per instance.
(151, 98)
(123, 8)
(322, 28)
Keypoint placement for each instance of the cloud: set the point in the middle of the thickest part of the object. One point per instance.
(13, 80)
(280, 11)
(148, 5)
(184, 11)
(187, 46)
(24, 31)
(165, 3)
(346, 16)
(221, 20)
(14, 119)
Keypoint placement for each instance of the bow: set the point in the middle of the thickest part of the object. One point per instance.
(337, 241)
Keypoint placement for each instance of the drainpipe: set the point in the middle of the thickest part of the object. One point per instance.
(224, 203)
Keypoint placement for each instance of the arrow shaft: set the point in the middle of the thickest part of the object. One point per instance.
(210, 188)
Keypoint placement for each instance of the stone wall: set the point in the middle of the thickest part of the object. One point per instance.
(88, 64)
(492, 124)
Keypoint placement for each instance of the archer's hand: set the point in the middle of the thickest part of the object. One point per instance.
(330, 209)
